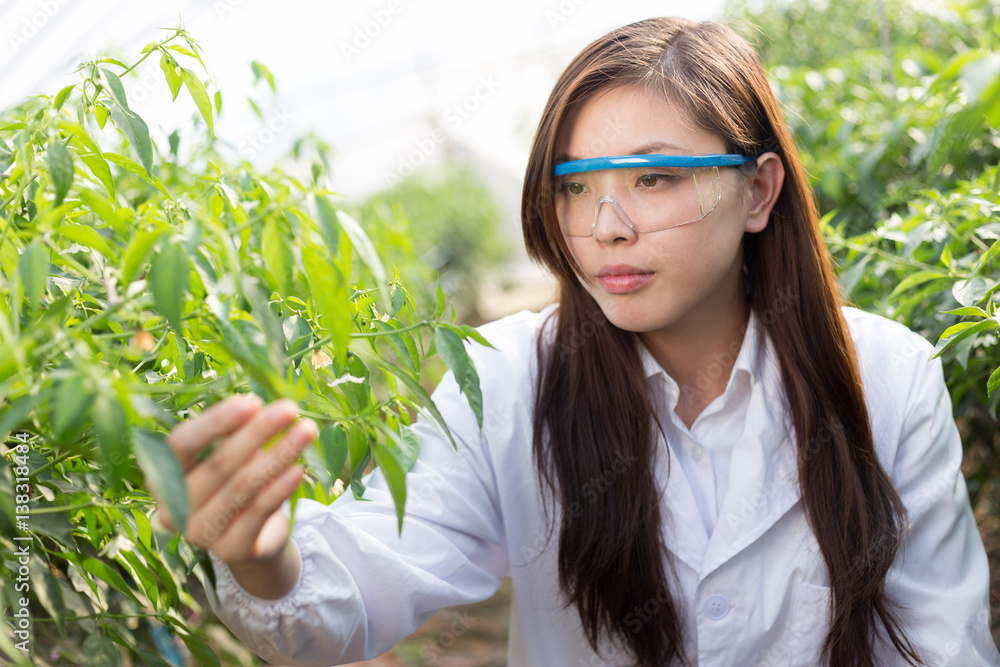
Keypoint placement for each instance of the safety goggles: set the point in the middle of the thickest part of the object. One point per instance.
(648, 192)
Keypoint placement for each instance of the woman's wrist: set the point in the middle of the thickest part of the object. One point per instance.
(269, 578)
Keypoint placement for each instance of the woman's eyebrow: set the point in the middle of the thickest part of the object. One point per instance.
(651, 147)
(658, 147)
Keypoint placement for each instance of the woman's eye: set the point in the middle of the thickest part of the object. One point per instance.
(573, 188)
(650, 180)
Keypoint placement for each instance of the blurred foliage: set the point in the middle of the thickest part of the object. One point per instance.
(441, 224)
(137, 288)
(896, 109)
(872, 133)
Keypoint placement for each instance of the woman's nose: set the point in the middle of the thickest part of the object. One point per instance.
(611, 222)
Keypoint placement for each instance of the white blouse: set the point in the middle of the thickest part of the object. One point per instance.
(751, 581)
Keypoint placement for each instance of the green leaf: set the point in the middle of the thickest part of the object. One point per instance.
(6, 156)
(967, 311)
(278, 258)
(439, 301)
(359, 394)
(103, 209)
(955, 328)
(99, 167)
(333, 444)
(137, 252)
(106, 573)
(60, 169)
(200, 97)
(955, 334)
(218, 101)
(181, 49)
(985, 259)
(143, 529)
(408, 447)
(62, 95)
(100, 115)
(329, 227)
(99, 651)
(399, 299)
(422, 396)
(979, 75)
(366, 250)
(261, 71)
(402, 344)
(46, 587)
(329, 291)
(171, 272)
(469, 332)
(969, 292)
(140, 573)
(850, 276)
(138, 170)
(452, 350)
(993, 383)
(395, 477)
(151, 660)
(204, 656)
(358, 448)
(33, 267)
(87, 236)
(72, 405)
(164, 475)
(112, 439)
(126, 120)
(169, 67)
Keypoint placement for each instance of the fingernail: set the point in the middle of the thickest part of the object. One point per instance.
(309, 429)
(282, 410)
(248, 403)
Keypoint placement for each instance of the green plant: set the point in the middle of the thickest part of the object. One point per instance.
(884, 98)
(135, 289)
(935, 269)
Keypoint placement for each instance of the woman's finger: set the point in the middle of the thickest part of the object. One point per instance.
(191, 436)
(212, 474)
(262, 528)
(214, 516)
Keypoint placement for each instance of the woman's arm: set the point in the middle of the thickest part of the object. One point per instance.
(941, 575)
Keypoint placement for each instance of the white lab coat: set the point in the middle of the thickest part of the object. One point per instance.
(753, 592)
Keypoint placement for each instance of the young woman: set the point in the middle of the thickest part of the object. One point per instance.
(697, 457)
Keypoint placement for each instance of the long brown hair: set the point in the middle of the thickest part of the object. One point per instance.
(592, 406)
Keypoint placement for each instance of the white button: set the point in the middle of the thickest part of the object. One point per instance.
(697, 452)
(716, 607)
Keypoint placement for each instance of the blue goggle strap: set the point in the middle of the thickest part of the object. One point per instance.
(655, 160)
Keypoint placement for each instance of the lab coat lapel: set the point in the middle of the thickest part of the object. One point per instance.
(682, 525)
(763, 476)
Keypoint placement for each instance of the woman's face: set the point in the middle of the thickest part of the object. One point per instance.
(668, 280)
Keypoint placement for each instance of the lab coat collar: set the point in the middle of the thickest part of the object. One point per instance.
(763, 478)
(748, 360)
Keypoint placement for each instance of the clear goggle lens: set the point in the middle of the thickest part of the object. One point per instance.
(649, 192)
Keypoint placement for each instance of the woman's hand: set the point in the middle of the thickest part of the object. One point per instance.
(235, 493)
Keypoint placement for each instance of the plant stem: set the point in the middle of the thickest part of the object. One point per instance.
(376, 334)
(59, 459)
(90, 616)
(71, 508)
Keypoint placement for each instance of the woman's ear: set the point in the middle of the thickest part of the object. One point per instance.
(764, 190)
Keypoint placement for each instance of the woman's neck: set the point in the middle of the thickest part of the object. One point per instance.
(699, 354)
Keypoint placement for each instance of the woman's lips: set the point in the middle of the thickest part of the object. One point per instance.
(622, 278)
